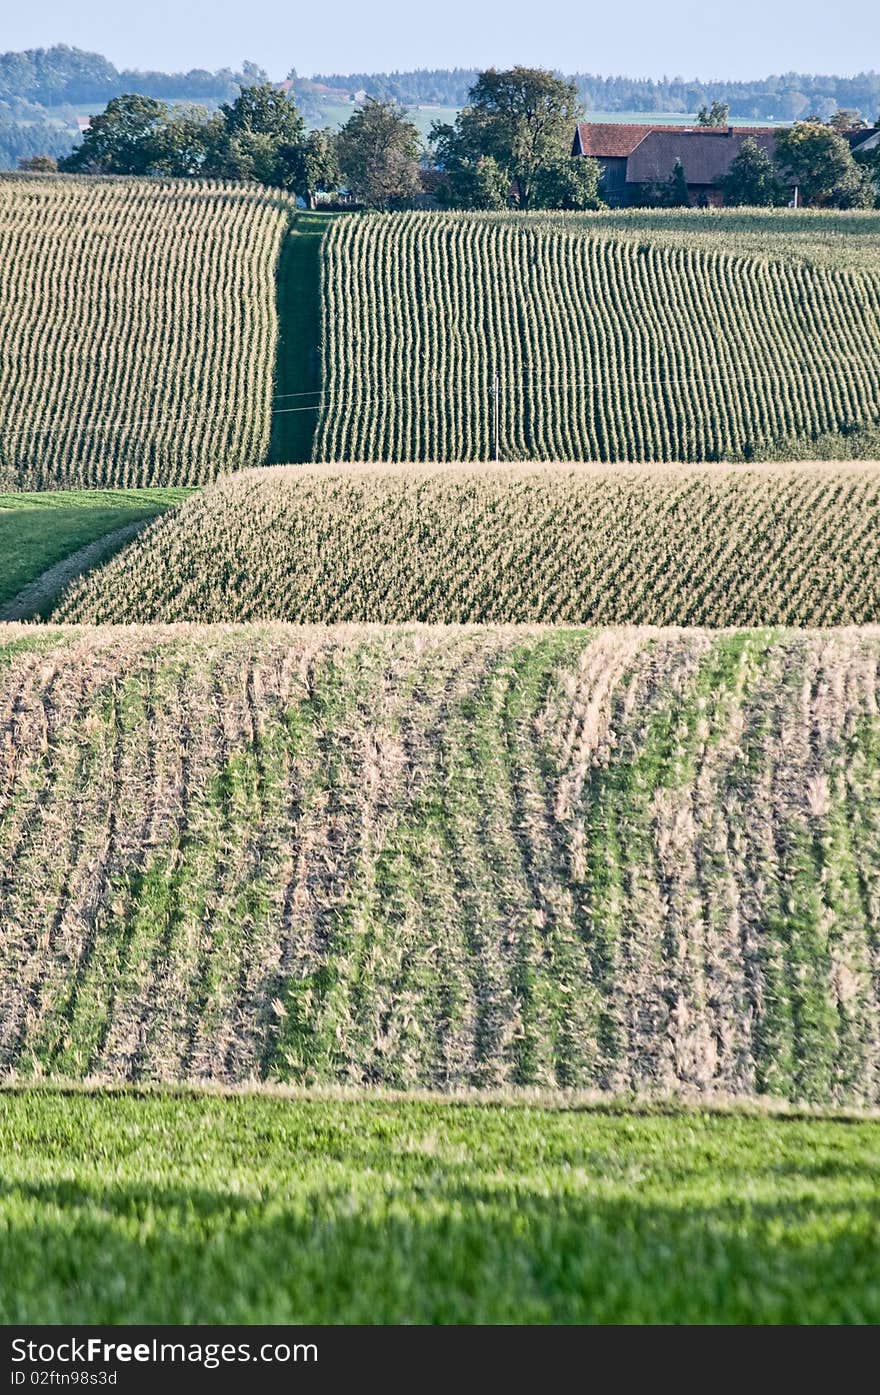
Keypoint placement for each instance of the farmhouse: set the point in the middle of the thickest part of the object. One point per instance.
(863, 142)
(634, 156)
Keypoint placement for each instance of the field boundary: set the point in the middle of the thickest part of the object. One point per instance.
(46, 589)
(518, 1097)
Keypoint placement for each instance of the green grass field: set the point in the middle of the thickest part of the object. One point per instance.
(297, 396)
(252, 1208)
(39, 531)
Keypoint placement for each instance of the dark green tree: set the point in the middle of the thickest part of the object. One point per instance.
(847, 119)
(676, 193)
(378, 150)
(869, 163)
(522, 118)
(262, 110)
(571, 182)
(821, 163)
(753, 179)
(715, 115)
(187, 142)
(470, 181)
(310, 166)
(254, 130)
(128, 137)
(478, 184)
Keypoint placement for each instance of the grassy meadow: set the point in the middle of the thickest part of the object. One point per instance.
(193, 1208)
(41, 532)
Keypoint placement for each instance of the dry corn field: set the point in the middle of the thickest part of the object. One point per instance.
(137, 330)
(625, 859)
(710, 545)
(605, 348)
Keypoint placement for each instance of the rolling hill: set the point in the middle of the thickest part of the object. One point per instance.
(622, 859)
(700, 545)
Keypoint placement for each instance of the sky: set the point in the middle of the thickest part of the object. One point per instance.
(644, 38)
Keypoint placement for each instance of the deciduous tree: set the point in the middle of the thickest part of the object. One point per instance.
(127, 137)
(753, 179)
(821, 163)
(715, 115)
(310, 166)
(378, 150)
(522, 118)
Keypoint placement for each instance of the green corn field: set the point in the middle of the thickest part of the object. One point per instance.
(137, 330)
(475, 337)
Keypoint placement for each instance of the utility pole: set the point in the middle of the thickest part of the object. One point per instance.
(496, 414)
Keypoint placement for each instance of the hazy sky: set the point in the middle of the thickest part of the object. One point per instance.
(643, 38)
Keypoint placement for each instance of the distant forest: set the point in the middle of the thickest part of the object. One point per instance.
(787, 97)
(44, 91)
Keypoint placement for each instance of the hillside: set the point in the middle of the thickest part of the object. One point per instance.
(635, 859)
(137, 330)
(599, 347)
(716, 545)
(49, 537)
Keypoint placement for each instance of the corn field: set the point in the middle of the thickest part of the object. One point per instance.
(840, 240)
(137, 330)
(622, 860)
(466, 337)
(690, 545)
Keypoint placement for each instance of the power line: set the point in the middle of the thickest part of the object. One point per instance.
(494, 388)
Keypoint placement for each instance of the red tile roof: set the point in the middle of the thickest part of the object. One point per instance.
(610, 139)
(615, 140)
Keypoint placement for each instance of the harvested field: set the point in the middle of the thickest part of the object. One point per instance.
(624, 860)
(563, 544)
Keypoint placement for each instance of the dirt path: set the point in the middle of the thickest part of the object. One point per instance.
(36, 598)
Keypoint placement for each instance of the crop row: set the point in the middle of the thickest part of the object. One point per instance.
(636, 859)
(137, 330)
(448, 337)
(699, 545)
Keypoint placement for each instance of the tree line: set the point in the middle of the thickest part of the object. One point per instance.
(780, 97)
(63, 74)
(510, 146)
